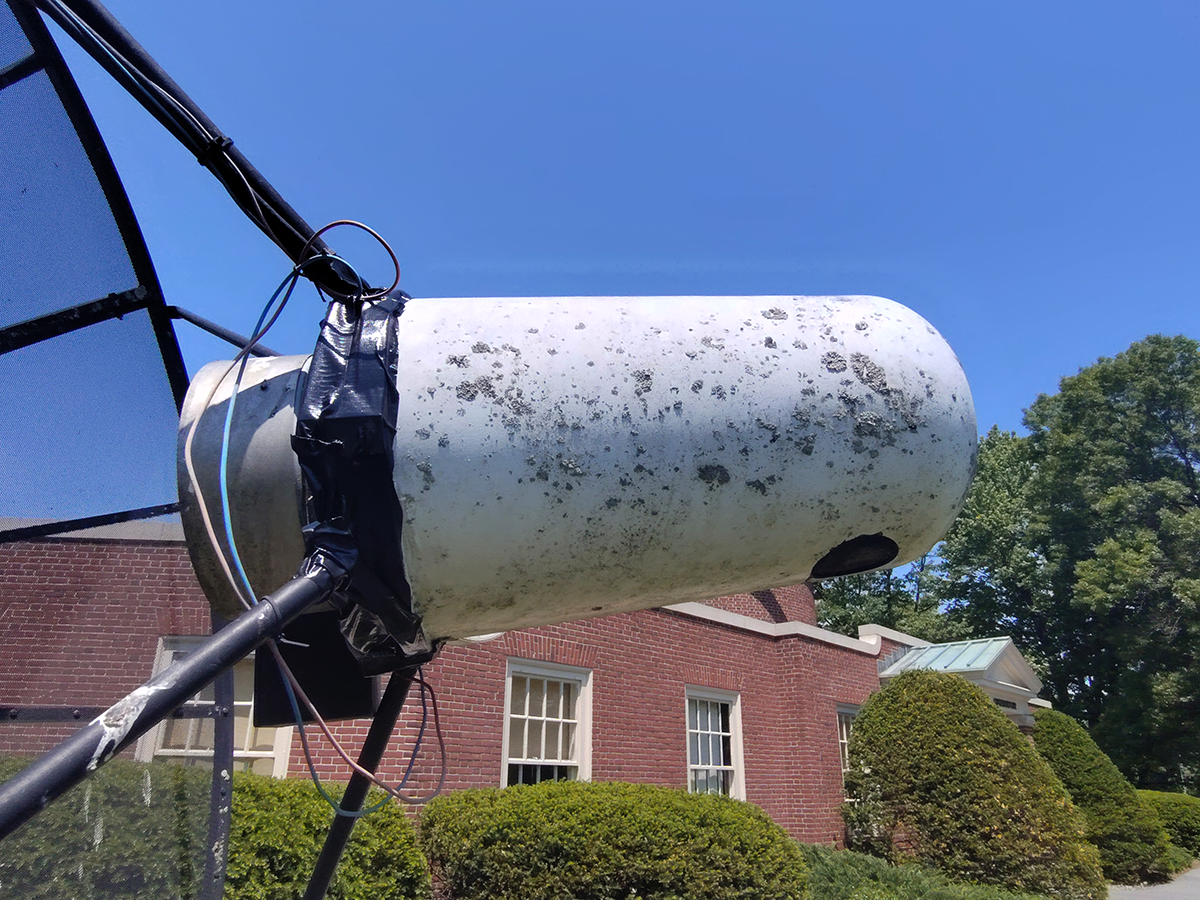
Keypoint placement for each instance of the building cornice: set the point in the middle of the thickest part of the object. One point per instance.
(774, 629)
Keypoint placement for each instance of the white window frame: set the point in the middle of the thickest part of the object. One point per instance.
(737, 789)
(846, 713)
(150, 745)
(583, 734)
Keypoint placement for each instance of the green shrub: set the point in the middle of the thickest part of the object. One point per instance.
(130, 832)
(845, 875)
(1176, 860)
(1122, 826)
(140, 832)
(1180, 815)
(277, 832)
(940, 776)
(593, 841)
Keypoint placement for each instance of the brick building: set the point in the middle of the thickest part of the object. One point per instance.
(744, 695)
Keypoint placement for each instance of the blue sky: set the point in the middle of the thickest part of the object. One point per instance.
(1024, 175)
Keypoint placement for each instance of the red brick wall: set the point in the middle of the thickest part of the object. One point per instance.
(784, 604)
(81, 620)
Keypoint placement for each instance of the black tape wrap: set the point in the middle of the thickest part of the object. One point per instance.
(345, 431)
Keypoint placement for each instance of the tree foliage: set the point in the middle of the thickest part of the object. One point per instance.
(940, 776)
(905, 599)
(1082, 542)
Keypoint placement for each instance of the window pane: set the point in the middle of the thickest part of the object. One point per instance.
(534, 748)
(693, 749)
(241, 723)
(516, 739)
(554, 699)
(553, 749)
(204, 736)
(537, 697)
(243, 683)
(175, 733)
(570, 695)
(569, 751)
(519, 688)
(693, 714)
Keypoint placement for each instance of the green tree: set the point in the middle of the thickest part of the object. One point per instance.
(906, 599)
(1082, 542)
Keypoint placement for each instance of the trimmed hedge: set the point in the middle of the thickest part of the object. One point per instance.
(1122, 826)
(594, 841)
(938, 775)
(846, 875)
(130, 832)
(139, 832)
(279, 826)
(1180, 815)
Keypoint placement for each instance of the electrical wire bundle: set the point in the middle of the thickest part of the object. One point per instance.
(231, 563)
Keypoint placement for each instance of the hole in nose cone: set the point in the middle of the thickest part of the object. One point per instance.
(860, 554)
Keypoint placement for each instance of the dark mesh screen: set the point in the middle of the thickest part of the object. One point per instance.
(87, 416)
(87, 424)
(61, 245)
(13, 45)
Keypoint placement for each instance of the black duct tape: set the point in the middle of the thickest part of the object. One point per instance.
(345, 430)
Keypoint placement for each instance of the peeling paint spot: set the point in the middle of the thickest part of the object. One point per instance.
(571, 467)
(834, 362)
(469, 390)
(770, 343)
(423, 434)
(713, 474)
(758, 486)
(800, 345)
(480, 347)
(644, 379)
(426, 471)
(869, 373)
(697, 386)
(580, 327)
(460, 361)
(774, 313)
(718, 391)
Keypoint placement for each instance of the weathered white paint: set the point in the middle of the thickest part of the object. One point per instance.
(558, 458)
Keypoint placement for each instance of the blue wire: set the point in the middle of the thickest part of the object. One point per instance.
(223, 470)
(227, 520)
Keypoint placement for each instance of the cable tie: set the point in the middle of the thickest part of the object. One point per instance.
(216, 146)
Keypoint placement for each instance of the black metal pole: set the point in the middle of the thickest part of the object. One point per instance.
(26, 793)
(356, 791)
(220, 795)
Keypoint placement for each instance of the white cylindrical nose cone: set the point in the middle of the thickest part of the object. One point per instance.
(558, 458)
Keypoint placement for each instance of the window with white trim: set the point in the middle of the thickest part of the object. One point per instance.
(190, 741)
(714, 732)
(547, 723)
(845, 724)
